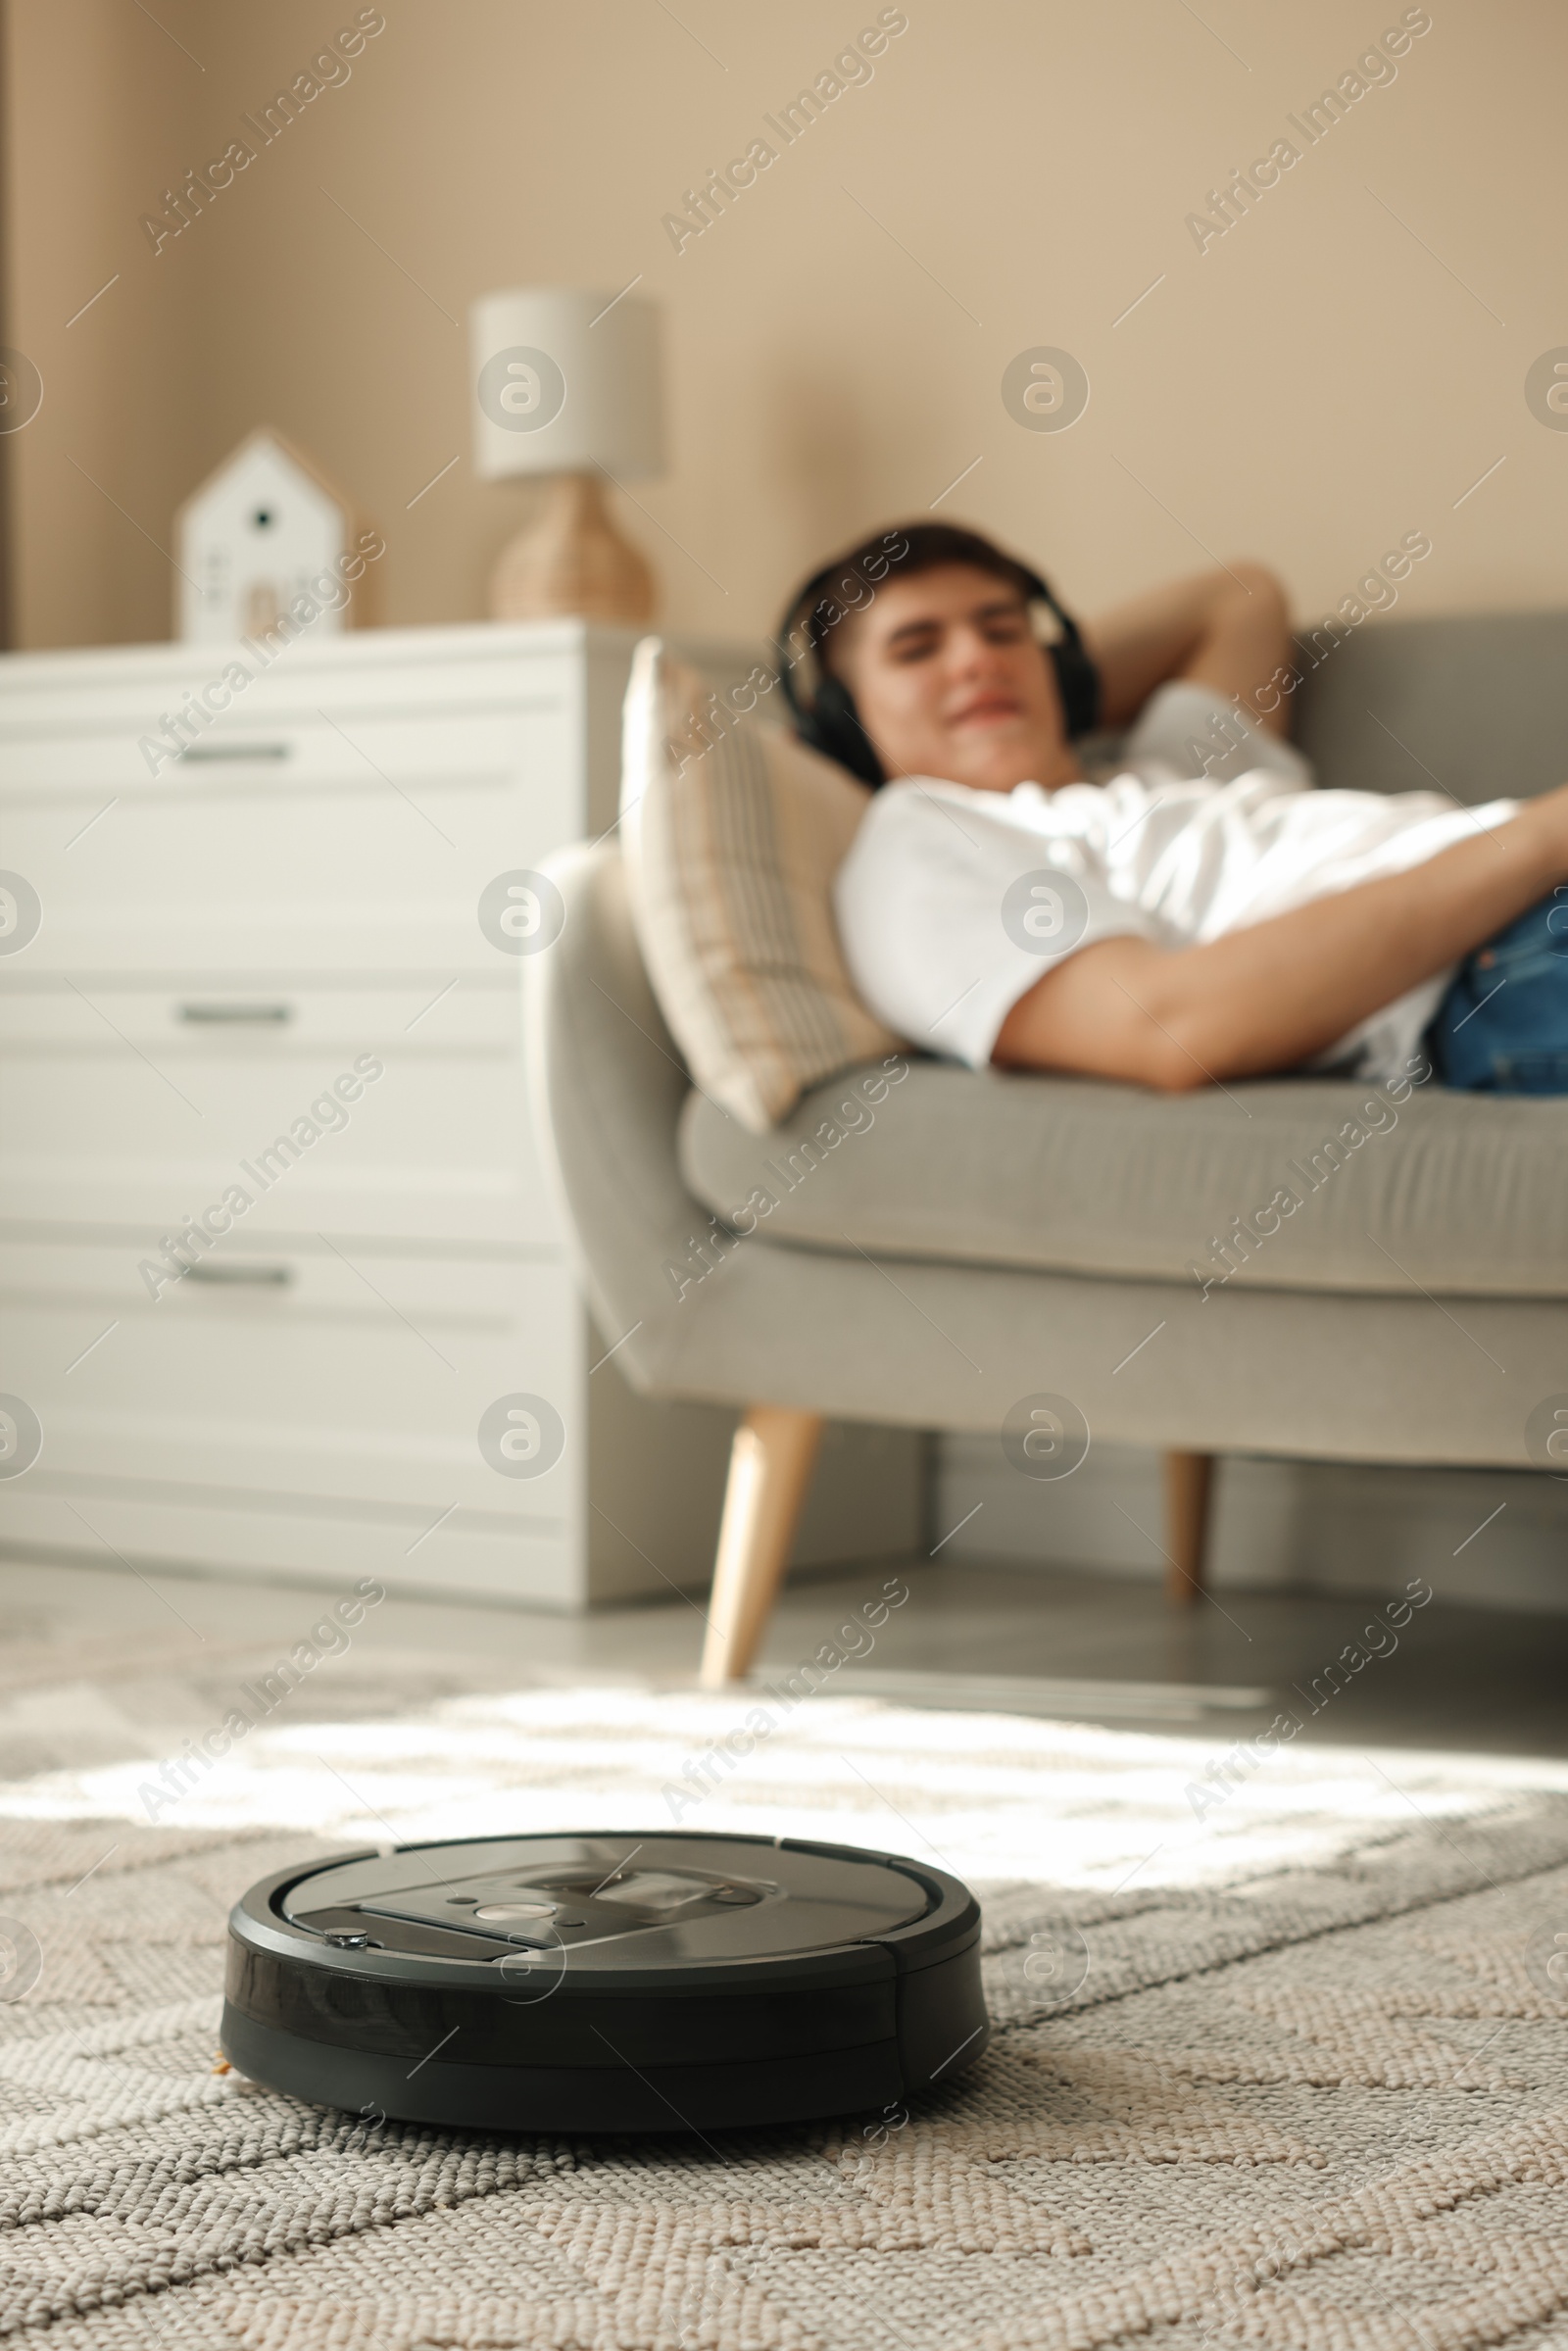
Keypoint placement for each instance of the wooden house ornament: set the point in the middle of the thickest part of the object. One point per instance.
(258, 533)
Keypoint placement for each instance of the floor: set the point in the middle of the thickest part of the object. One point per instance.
(100, 1663)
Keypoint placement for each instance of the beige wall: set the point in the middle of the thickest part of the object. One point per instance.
(1317, 382)
(87, 100)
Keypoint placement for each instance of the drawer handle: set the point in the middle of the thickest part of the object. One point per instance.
(253, 1277)
(274, 1015)
(196, 753)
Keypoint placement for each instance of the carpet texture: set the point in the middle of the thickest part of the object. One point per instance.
(1286, 2070)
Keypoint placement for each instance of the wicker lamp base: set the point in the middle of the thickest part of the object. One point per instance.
(571, 563)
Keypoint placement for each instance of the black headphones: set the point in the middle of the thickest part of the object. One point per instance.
(828, 721)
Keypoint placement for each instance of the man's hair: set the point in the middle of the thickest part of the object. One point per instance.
(925, 546)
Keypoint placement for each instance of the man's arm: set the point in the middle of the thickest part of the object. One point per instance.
(1229, 629)
(1269, 997)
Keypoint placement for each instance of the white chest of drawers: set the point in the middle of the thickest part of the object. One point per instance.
(258, 928)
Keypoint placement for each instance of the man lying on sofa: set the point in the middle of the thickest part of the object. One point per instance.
(1170, 926)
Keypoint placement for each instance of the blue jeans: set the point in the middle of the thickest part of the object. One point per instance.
(1502, 1026)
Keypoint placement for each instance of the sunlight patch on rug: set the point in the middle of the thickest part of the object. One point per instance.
(991, 1796)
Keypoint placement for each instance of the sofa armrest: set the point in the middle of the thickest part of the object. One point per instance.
(608, 1084)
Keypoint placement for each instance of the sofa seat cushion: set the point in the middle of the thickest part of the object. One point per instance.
(1283, 1183)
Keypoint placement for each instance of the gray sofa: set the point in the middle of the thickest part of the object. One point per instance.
(981, 1240)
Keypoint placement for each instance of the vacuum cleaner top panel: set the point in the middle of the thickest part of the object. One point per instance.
(605, 1903)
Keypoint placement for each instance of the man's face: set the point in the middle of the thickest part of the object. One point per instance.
(951, 682)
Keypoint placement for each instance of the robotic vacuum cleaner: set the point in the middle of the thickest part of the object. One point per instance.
(606, 1982)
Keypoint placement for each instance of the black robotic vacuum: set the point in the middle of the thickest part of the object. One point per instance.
(606, 1982)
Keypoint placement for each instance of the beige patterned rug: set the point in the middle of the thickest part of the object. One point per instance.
(1287, 2069)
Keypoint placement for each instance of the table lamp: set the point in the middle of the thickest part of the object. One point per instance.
(568, 384)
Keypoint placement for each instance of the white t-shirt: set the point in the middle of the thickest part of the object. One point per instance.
(953, 903)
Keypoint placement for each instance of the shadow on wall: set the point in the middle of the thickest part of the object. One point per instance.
(1490, 1538)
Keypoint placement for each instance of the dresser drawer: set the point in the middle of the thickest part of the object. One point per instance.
(292, 748)
(205, 1020)
(326, 862)
(302, 1375)
(398, 1113)
(326, 1548)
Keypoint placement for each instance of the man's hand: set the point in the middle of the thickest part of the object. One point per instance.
(1229, 629)
(1268, 998)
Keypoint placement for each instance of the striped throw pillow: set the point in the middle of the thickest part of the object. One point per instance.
(732, 837)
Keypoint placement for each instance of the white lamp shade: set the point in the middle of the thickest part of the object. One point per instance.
(565, 380)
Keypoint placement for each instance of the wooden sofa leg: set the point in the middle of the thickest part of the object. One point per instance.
(771, 1467)
(1189, 1483)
